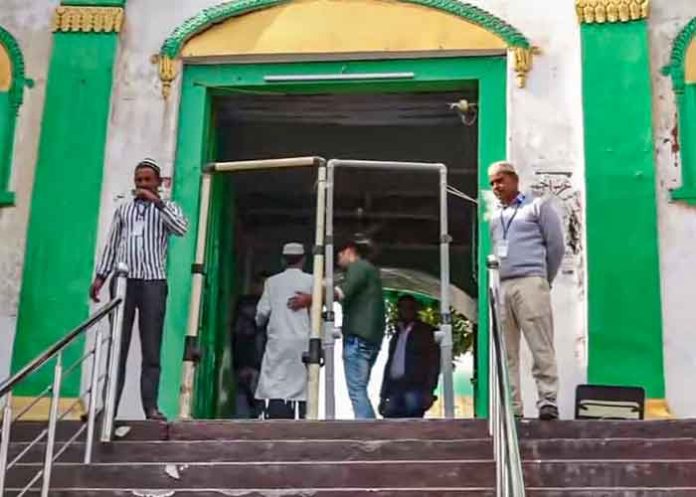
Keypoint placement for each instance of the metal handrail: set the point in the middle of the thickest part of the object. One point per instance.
(7, 385)
(106, 396)
(508, 460)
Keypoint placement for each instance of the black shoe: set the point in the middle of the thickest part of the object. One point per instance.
(548, 413)
(155, 415)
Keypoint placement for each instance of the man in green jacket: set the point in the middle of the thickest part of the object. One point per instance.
(362, 299)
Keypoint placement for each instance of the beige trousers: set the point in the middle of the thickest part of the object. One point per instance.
(526, 306)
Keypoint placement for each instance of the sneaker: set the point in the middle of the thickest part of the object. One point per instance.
(548, 412)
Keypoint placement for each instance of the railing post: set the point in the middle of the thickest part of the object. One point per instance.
(93, 394)
(495, 424)
(5, 445)
(52, 423)
(446, 344)
(509, 473)
(314, 347)
(114, 356)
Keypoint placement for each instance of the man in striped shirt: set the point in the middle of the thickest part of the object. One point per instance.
(138, 237)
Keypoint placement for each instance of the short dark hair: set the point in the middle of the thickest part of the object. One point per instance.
(293, 260)
(361, 247)
(407, 297)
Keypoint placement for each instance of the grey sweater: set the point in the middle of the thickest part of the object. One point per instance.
(535, 245)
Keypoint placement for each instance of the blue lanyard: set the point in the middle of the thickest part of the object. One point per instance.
(506, 228)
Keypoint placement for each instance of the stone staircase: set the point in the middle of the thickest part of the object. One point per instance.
(408, 458)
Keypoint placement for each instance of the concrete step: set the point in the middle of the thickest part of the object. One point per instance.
(423, 429)
(609, 448)
(306, 492)
(337, 474)
(534, 429)
(271, 451)
(361, 450)
(375, 474)
(26, 431)
(439, 429)
(328, 430)
(610, 474)
(369, 492)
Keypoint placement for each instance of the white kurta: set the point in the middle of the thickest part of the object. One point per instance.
(283, 374)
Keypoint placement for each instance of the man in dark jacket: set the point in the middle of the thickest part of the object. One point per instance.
(413, 366)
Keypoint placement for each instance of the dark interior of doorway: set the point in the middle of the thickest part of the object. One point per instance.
(396, 211)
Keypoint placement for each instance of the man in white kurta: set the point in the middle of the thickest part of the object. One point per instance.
(283, 379)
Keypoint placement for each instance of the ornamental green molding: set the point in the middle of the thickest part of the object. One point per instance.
(677, 65)
(210, 16)
(19, 79)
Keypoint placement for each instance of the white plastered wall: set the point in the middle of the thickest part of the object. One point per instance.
(677, 221)
(29, 23)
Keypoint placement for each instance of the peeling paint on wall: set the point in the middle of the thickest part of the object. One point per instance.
(559, 186)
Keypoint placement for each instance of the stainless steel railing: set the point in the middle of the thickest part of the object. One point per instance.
(101, 391)
(508, 461)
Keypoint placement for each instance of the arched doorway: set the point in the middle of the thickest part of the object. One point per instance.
(267, 79)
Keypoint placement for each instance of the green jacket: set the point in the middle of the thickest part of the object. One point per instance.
(363, 302)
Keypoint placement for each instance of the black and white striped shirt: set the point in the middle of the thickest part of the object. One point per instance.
(138, 237)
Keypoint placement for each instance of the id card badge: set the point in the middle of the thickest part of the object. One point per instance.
(501, 249)
(138, 228)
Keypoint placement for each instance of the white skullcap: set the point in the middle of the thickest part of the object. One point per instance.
(293, 249)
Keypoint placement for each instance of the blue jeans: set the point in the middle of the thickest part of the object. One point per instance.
(358, 358)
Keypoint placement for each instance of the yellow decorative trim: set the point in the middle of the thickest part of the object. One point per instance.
(612, 11)
(40, 411)
(690, 64)
(74, 19)
(524, 59)
(167, 73)
(5, 70)
(657, 409)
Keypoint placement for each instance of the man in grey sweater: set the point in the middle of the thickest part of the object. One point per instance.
(527, 238)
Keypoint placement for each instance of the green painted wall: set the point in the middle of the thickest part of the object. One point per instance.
(492, 148)
(625, 324)
(7, 125)
(193, 140)
(194, 143)
(61, 237)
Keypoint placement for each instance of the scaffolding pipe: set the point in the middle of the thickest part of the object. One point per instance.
(315, 349)
(191, 351)
(197, 276)
(446, 321)
(257, 165)
(445, 317)
(330, 322)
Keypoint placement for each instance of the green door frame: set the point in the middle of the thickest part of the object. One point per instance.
(202, 82)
